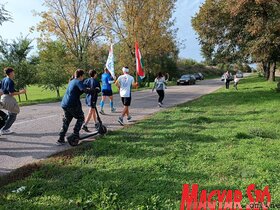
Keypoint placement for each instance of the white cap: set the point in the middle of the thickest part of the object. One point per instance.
(125, 70)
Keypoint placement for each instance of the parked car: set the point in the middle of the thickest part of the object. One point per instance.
(186, 79)
(223, 77)
(199, 76)
(239, 74)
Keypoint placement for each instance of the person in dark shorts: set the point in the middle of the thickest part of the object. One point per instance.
(107, 81)
(8, 100)
(125, 82)
(91, 98)
(72, 107)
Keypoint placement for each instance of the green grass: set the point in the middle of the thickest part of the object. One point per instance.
(225, 140)
(36, 94)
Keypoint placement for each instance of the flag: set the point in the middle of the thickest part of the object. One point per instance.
(139, 62)
(110, 61)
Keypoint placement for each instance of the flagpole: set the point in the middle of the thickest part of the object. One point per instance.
(135, 37)
(136, 59)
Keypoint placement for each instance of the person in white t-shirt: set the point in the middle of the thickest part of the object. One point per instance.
(125, 82)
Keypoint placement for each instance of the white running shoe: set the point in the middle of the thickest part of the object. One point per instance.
(6, 132)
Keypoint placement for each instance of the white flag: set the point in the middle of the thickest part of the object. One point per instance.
(110, 62)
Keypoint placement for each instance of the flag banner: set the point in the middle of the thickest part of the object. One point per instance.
(110, 62)
(139, 62)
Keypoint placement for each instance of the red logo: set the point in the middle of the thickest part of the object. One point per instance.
(224, 199)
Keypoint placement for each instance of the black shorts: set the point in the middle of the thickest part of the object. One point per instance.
(107, 93)
(126, 101)
(92, 105)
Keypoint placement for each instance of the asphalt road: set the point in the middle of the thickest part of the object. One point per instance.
(37, 126)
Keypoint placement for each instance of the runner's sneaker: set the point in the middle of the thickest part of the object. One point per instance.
(129, 117)
(60, 141)
(113, 110)
(6, 132)
(102, 111)
(85, 128)
(121, 120)
(159, 105)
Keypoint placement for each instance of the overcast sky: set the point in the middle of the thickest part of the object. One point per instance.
(23, 19)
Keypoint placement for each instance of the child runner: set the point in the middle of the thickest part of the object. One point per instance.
(91, 99)
(72, 106)
(160, 85)
(107, 81)
(8, 100)
(124, 83)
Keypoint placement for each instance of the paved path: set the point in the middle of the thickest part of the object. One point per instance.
(37, 126)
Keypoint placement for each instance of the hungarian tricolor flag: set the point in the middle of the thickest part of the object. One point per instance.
(139, 62)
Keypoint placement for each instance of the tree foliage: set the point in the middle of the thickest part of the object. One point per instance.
(15, 54)
(148, 22)
(53, 66)
(74, 22)
(242, 31)
(4, 15)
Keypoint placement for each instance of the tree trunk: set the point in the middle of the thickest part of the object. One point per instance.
(148, 78)
(57, 92)
(266, 67)
(19, 99)
(272, 72)
(26, 97)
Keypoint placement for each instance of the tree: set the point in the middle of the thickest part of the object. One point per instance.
(4, 15)
(241, 31)
(53, 65)
(15, 54)
(75, 23)
(148, 21)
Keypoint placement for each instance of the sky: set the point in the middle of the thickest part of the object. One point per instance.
(23, 20)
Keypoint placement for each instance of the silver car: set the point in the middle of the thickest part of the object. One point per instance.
(239, 74)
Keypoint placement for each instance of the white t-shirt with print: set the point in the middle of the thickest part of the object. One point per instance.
(125, 82)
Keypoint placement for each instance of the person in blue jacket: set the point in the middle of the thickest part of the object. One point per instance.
(8, 92)
(72, 106)
(107, 81)
(91, 98)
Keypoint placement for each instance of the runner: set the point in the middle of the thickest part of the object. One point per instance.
(124, 83)
(8, 100)
(107, 81)
(160, 85)
(72, 106)
(91, 99)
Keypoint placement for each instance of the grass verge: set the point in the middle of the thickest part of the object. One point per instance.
(225, 140)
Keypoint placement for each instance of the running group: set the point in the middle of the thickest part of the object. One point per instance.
(71, 103)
